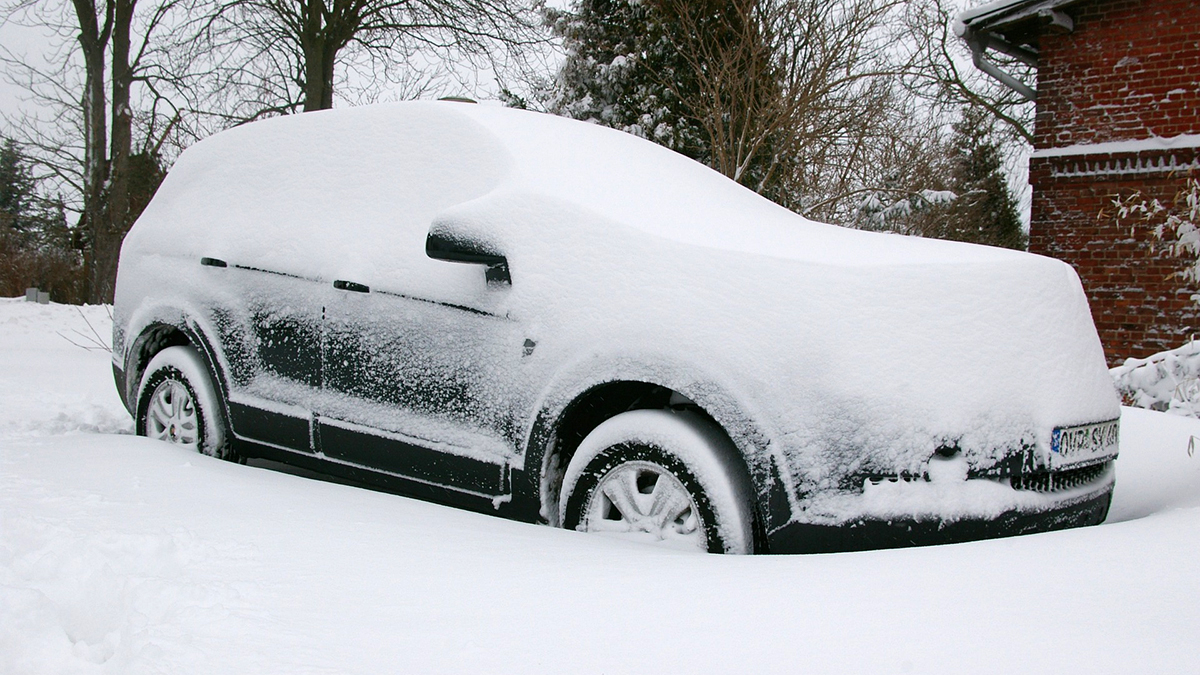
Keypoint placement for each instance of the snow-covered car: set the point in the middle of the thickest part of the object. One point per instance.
(561, 323)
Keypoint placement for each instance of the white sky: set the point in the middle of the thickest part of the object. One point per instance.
(20, 41)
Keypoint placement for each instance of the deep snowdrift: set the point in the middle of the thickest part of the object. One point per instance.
(122, 555)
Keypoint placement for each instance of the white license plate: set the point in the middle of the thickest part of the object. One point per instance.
(1085, 443)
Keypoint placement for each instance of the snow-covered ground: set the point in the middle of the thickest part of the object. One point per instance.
(123, 555)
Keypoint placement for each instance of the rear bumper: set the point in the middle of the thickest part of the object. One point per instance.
(1090, 508)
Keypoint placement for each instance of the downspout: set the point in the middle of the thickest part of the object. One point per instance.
(982, 41)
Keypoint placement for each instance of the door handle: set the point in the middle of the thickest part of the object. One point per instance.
(343, 285)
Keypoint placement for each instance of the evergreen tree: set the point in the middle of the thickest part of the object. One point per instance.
(16, 188)
(953, 187)
(619, 54)
(786, 97)
(985, 211)
(695, 76)
(37, 247)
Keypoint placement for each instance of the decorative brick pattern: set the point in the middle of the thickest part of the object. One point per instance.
(1129, 71)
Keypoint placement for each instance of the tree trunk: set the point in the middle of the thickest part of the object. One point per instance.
(93, 41)
(318, 78)
(107, 246)
(318, 63)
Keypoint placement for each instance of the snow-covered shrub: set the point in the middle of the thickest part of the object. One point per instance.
(1179, 225)
(885, 210)
(1168, 381)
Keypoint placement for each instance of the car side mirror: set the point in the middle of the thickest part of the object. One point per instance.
(441, 245)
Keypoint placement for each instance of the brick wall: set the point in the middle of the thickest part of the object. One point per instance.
(1129, 71)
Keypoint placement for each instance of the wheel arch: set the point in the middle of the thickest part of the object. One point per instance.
(563, 420)
(167, 328)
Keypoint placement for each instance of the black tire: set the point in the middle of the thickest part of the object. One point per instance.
(178, 402)
(661, 455)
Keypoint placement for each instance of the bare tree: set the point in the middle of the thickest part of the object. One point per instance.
(282, 56)
(791, 93)
(82, 130)
(941, 71)
(791, 98)
(838, 109)
(893, 176)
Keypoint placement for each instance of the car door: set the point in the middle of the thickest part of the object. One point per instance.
(428, 388)
(276, 372)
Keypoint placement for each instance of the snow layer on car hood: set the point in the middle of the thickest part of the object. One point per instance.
(850, 351)
(632, 181)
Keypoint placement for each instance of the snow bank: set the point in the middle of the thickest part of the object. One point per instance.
(64, 350)
(122, 555)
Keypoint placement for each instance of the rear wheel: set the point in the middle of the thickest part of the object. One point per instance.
(178, 403)
(662, 477)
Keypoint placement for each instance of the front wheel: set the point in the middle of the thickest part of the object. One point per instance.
(663, 477)
(178, 403)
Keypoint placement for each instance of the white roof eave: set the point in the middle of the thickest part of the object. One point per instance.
(1001, 13)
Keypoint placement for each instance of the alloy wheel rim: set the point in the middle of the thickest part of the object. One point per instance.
(172, 416)
(643, 501)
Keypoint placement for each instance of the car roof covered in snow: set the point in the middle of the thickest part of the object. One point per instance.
(380, 175)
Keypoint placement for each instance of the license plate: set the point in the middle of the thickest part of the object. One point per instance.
(1085, 443)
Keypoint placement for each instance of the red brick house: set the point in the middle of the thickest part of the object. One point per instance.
(1118, 110)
